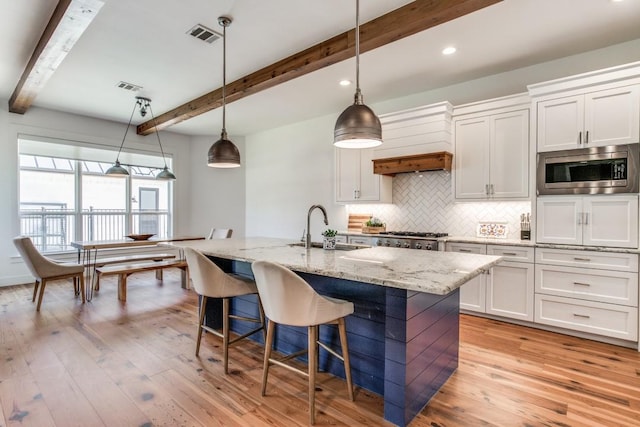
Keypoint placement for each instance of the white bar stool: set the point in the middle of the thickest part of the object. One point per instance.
(209, 281)
(290, 300)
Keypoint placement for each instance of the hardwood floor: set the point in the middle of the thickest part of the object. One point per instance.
(113, 364)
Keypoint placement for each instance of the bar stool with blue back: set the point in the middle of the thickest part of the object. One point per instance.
(209, 281)
(289, 300)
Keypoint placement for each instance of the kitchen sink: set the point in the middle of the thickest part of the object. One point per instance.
(339, 246)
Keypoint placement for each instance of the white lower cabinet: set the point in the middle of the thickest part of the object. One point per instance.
(507, 289)
(594, 292)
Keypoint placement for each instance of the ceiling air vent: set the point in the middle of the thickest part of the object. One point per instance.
(203, 33)
(129, 86)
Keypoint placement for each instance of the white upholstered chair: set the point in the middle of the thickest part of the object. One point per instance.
(220, 233)
(289, 300)
(45, 269)
(209, 281)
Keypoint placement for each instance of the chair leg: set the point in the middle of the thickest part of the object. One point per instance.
(342, 329)
(42, 285)
(202, 307)
(271, 327)
(262, 321)
(225, 334)
(316, 339)
(313, 366)
(75, 285)
(82, 291)
(35, 290)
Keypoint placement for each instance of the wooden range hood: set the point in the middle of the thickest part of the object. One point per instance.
(416, 163)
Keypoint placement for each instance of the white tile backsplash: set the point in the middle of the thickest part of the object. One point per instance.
(424, 202)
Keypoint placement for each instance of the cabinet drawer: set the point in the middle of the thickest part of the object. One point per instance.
(595, 285)
(610, 320)
(341, 238)
(587, 259)
(468, 248)
(357, 240)
(512, 253)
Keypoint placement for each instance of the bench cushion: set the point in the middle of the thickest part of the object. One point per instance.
(142, 266)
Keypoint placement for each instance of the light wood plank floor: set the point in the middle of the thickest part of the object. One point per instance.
(111, 364)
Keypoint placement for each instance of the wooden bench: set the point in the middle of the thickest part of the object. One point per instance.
(125, 270)
(129, 259)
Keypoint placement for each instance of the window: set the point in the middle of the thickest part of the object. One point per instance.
(65, 196)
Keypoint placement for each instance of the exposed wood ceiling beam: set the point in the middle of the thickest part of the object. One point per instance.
(69, 20)
(410, 19)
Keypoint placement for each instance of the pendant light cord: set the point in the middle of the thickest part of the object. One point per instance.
(224, 24)
(126, 130)
(153, 118)
(357, 46)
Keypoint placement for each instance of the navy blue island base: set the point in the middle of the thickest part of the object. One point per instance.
(403, 344)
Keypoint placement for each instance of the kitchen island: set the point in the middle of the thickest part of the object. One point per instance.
(403, 335)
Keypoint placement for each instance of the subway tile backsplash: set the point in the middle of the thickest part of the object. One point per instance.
(424, 202)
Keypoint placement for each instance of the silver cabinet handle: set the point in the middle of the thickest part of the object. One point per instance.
(586, 218)
(581, 284)
(491, 189)
(575, 258)
(579, 219)
(509, 253)
(580, 138)
(486, 189)
(586, 137)
(583, 316)
(464, 250)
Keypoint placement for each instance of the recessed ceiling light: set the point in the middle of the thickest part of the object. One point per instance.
(345, 82)
(449, 50)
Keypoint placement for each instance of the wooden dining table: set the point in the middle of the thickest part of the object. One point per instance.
(88, 252)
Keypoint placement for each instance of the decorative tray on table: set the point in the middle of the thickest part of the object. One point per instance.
(140, 236)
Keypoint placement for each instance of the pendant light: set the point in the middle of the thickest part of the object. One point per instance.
(223, 153)
(357, 126)
(117, 169)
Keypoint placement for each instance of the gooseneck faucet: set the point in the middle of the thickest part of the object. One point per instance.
(307, 243)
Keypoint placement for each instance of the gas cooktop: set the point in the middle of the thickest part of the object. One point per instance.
(413, 234)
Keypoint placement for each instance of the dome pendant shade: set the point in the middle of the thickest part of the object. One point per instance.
(223, 153)
(166, 174)
(117, 170)
(357, 127)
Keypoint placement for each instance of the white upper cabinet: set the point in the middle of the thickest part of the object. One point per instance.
(588, 220)
(492, 150)
(355, 180)
(606, 117)
(588, 110)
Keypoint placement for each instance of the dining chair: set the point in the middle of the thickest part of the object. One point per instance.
(220, 233)
(210, 281)
(45, 269)
(289, 300)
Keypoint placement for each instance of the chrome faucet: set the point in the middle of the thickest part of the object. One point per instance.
(307, 243)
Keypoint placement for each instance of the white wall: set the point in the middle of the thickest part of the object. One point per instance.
(290, 168)
(217, 195)
(54, 124)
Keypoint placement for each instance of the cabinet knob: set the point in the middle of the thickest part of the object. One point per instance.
(580, 138)
(586, 137)
(581, 284)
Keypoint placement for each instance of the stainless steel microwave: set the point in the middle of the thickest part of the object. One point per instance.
(594, 170)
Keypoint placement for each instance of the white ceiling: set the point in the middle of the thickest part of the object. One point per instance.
(145, 42)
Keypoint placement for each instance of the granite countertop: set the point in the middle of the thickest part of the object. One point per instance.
(422, 271)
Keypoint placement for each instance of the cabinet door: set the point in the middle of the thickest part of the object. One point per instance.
(560, 123)
(510, 290)
(509, 155)
(610, 221)
(559, 220)
(611, 116)
(347, 174)
(369, 188)
(472, 293)
(471, 158)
